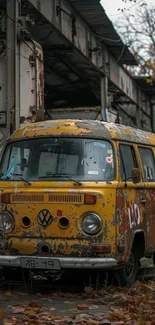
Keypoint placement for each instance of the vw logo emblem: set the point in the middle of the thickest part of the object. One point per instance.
(45, 217)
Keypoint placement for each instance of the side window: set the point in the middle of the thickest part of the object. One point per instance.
(148, 164)
(127, 160)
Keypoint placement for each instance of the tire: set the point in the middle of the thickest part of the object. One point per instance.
(127, 275)
(153, 258)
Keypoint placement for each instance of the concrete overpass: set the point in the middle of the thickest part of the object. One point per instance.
(84, 58)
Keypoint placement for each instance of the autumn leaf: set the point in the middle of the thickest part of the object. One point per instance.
(13, 319)
(34, 303)
(120, 298)
(142, 286)
(57, 317)
(93, 307)
(105, 322)
(2, 313)
(148, 80)
(116, 315)
(90, 291)
(82, 307)
(18, 310)
(92, 322)
(22, 293)
(52, 308)
(31, 311)
(7, 294)
(141, 322)
(121, 323)
(63, 295)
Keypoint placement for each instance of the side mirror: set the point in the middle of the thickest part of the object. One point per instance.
(135, 174)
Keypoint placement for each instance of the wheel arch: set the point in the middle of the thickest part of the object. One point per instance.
(139, 243)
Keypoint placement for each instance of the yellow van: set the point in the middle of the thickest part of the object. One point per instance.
(77, 194)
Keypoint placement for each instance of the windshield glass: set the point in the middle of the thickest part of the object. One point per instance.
(47, 158)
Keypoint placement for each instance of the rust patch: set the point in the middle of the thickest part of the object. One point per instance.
(97, 129)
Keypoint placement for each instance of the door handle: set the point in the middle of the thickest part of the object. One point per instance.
(143, 201)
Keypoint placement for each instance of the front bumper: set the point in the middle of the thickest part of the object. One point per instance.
(58, 263)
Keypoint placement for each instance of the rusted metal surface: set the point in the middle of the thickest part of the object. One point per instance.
(130, 217)
(127, 85)
(95, 129)
(84, 13)
(90, 113)
(32, 81)
(70, 241)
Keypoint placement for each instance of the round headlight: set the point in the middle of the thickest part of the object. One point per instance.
(6, 221)
(92, 224)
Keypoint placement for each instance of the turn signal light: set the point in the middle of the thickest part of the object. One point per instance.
(89, 199)
(101, 248)
(5, 198)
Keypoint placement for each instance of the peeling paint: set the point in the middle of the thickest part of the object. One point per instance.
(91, 129)
(16, 187)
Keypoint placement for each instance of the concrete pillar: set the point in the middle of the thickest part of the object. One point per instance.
(153, 115)
(12, 65)
(17, 68)
(138, 111)
(104, 97)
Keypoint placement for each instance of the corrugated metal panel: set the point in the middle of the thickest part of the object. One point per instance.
(94, 14)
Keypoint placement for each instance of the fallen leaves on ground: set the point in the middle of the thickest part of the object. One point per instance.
(108, 306)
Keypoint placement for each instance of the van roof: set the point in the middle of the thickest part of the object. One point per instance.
(83, 128)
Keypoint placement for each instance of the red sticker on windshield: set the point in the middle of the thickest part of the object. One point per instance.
(109, 160)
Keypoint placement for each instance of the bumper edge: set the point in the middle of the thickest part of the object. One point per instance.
(65, 262)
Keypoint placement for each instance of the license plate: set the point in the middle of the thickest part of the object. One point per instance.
(40, 263)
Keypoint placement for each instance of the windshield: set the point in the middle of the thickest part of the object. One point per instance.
(48, 158)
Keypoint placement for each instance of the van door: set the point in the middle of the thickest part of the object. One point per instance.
(130, 197)
(148, 165)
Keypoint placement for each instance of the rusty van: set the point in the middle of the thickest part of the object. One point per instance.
(77, 194)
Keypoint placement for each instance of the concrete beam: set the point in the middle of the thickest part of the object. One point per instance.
(80, 35)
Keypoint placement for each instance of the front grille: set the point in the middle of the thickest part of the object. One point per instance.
(62, 198)
(48, 198)
(19, 198)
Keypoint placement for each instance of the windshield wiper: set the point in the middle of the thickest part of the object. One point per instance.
(22, 178)
(61, 176)
(2, 176)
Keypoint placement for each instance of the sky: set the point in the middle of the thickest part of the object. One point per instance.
(111, 7)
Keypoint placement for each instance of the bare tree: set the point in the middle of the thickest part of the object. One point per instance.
(138, 32)
(131, 4)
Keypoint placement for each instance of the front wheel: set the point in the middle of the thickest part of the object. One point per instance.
(127, 275)
(153, 258)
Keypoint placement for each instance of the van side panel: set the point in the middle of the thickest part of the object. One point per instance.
(131, 218)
